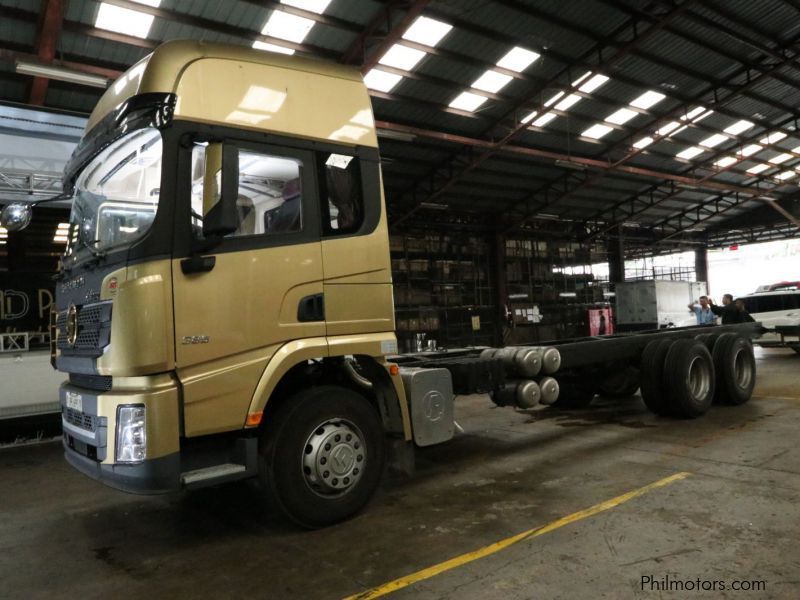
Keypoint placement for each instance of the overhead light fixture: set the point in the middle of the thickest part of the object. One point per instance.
(693, 113)
(783, 176)
(554, 98)
(391, 134)
(61, 74)
(529, 117)
(643, 143)
(668, 128)
(433, 205)
(758, 169)
(568, 164)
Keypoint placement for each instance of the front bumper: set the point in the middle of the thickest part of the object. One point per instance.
(88, 419)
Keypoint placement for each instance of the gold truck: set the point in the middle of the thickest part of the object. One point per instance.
(224, 307)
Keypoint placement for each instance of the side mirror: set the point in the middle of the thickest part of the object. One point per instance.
(16, 216)
(220, 190)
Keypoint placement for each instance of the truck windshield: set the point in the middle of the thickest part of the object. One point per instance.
(116, 195)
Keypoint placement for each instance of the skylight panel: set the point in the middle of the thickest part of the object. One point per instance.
(776, 160)
(644, 142)
(703, 116)
(648, 99)
(772, 138)
(796, 150)
(594, 83)
(427, 31)
(738, 127)
(693, 113)
(544, 119)
(726, 161)
(380, 80)
(467, 101)
(518, 59)
(597, 131)
(554, 98)
(750, 149)
(714, 140)
(581, 79)
(272, 48)
(668, 128)
(315, 6)
(690, 152)
(491, 81)
(288, 27)
(623, 115)
(567, 102)
(125, 20)
(783, 176)
(529, 117)
(758, 168)
(402, 57)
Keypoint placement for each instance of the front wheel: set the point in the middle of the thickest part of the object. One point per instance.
(322, 455)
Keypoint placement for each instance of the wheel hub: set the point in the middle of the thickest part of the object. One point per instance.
(334, 457)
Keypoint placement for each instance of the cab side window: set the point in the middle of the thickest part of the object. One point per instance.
(342, 193)
(270, 193)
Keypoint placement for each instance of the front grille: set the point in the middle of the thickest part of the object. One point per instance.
(80, 419)
(101, 383)
(94, 329)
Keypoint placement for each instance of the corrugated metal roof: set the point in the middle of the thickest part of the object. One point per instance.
(685, 60)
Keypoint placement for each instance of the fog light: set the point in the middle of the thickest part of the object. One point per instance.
(131, 434)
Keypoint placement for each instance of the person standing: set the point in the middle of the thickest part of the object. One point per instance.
(727, 311)
(703, 312)
(741, 314)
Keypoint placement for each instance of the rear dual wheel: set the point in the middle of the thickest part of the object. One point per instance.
(735, 367)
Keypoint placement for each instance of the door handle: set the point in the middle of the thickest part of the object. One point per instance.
(198, 264)
(311, 308)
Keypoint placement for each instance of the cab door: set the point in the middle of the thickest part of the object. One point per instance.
(239, 300)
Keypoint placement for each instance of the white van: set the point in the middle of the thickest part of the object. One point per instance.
(774, 308)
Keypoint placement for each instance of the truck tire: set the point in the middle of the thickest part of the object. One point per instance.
(622, 384)
(574, 393)
(652, 376)
(322, 455)
(708, 340)
(736, 369)
(689, 378)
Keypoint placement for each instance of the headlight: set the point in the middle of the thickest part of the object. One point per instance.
(131, 434)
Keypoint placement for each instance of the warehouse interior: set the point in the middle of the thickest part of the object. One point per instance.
(535, 158)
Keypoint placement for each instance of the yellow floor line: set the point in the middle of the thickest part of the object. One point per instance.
(397, 584)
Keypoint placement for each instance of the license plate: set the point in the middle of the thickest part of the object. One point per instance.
(75, 401)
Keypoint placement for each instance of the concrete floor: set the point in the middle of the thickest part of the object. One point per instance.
(735, 517)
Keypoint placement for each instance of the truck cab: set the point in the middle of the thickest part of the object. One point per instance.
(228, 256)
